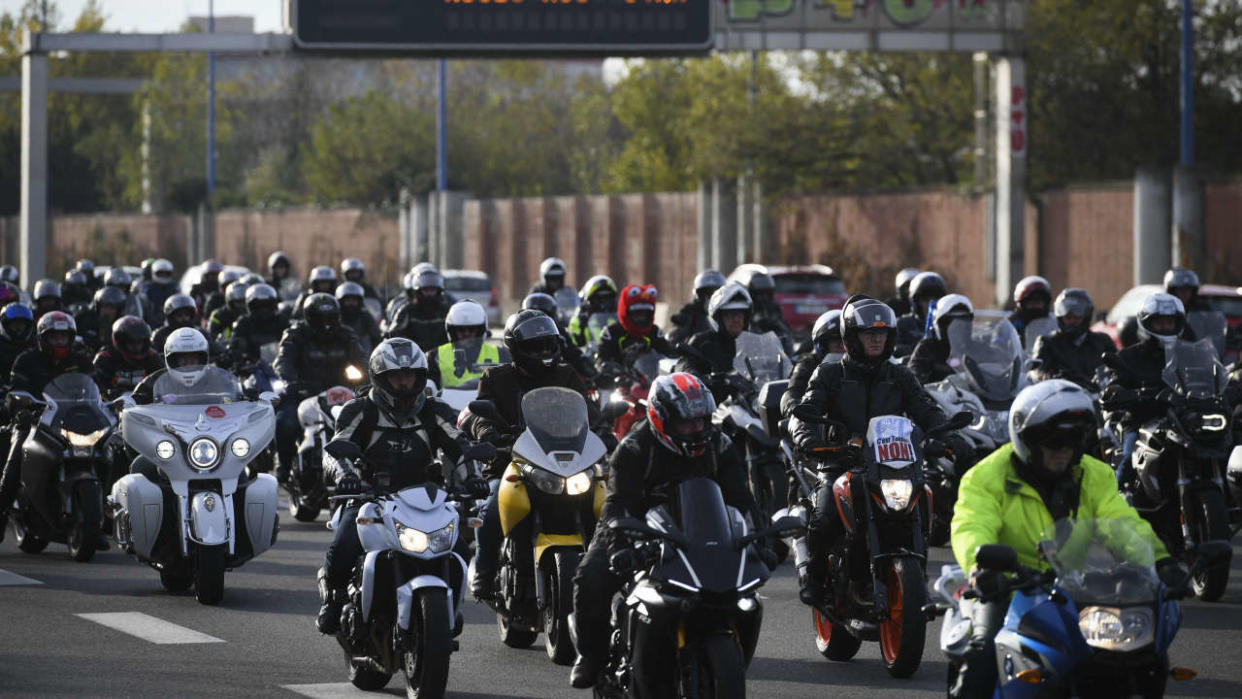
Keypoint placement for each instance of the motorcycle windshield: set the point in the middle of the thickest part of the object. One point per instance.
(1102, 561)
(79, 407)
(213, 386)
(647, 366)
(698, 511)
(556, 418)
(1038, 328)
(595, 327)
(1210, 326)
(761, 358)
(987, 354)
(1193, 370)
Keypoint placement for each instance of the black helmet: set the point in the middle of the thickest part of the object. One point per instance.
(131, 338)
(322, 278)
(394, 362)
(350, 296)
(261, 301)
(1074, 302)
(279, 259)
(927, 286)
(862, 315)
(1180, 278)
(322, 313)
(353, 270)
(827, 328)
(179, 311)
(533, 341)
(109, 296)
(1160, 306)
(118, 277)
(540, 302)
(762, 287)
(427, 286)
(902, 282)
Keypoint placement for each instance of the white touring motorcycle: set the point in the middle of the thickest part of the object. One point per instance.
(188, 510)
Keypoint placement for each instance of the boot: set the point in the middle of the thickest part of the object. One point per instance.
(584, 672)
(329, 620)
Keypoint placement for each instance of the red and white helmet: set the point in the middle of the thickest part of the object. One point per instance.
(679, 409)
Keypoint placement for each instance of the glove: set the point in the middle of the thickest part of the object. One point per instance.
(990, 584)
(348, 484)
(477, 487)
(963, 452)
(1171, 572)
(766, 555)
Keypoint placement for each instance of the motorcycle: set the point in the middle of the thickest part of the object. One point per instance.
(989, 371)
(308, 493)
(549, 500)
(687, 620)
(1098, 623)
(1211, 326)
(403, 607)
(1179, 460)
(627, 404)
(876, 574)
(751, 416)
(189, 512)
(67, 450)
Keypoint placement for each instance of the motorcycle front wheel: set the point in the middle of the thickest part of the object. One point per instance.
(903, 633)
(209, 567)
(429, 646)
(1209, 520)
(87, 520)
(722, 671)
(560, 576)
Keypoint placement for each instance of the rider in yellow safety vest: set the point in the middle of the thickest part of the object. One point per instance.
(462, 360)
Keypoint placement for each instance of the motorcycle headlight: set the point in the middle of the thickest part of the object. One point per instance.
(165, 449)
(419, 541)
(241, 448)
(204, 454)
(897, 492)
(353, 373)
(77, 439)
(549, 483)
(1213, 422)
(1109, 628)
(441, 540)
(578, 483)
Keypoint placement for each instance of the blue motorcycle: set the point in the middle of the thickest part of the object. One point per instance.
(1099, 623)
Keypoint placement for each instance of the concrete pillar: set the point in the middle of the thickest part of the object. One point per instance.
(148, 185)
(1011, 148)
(746, 219)
(434, 240)
(762, 251)
(1152, 224)
(724, 225)
(450, 219)
(1189, 237)
(405, 231)
(420, 222)
(705, 256)
(34, 228)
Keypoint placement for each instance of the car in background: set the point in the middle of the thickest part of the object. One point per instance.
(474, 285)
(804, 292)
(1226, 299)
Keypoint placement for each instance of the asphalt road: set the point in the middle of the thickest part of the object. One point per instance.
(261, 640)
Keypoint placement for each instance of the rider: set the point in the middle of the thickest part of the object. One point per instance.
(220, 324)
(352, 270)
(1032, 298)
(634, 333)
(322, 280)
(1041, 476)
(351, 297)
(930, 359)
(95, 323)
(1182, 283)
(219, 298)
(33, 370)
(675, 443)
(162, 284)
(1073, 352)
(599, 296)
(180, 311)
(75, 293)
(863, 385)
(692, 319)
(534, 343)
(208, 285)
(767, 315)
(552, 271)
(466, 325)
(1138, 372)
(313, 357)
(925, 288)
(422, 319)
(261, 325)
(280, 270)
(900, 303)
(87, 268)
(123, 365)
(570, 352)
(711, 352)
(17, 324)
(399, 430)
(826, 347)
(47, 297)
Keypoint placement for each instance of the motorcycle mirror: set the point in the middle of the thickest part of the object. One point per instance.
(615, 409)
(996, 557)
(343, 449)
(486, 410)
(962, 419)
(483, 451)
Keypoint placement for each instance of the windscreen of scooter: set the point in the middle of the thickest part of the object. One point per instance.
(698, 510)
(760, 358)
(1102, 561)
(79, 407)
(214, 386)
(1193, 370)
(557, 418)
(1037, 328)
(647, 366)
(567, 302)
(987, 354)
(1210, 326)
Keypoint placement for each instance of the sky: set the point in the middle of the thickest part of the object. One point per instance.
(164, 15)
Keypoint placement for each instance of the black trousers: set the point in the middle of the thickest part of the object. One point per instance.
(977, 676)
(595, 584)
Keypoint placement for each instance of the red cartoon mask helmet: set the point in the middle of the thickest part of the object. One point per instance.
(636, 308)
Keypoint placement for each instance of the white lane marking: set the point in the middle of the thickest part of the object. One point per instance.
(149, 628)
(331, 690)
(7, 578)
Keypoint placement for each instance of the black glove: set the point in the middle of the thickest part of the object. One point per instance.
(766, 555)
(1172, 573)
(478, 487)
(348, 484)
(963, 452)
(991, 584)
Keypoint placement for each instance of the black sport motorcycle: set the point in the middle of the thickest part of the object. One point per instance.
(687, 621)
(68, 447)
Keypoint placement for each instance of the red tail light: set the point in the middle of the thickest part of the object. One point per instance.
(495, 299)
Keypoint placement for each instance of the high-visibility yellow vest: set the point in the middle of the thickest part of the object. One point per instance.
(457, 369)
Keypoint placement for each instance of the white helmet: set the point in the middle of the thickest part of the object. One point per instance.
(192, 345)
(352, 264)
(1049, 412)
(162, 270)
(322, 273)
(947, 308)
(552, 266)
(423, 267)
(466, 314)
(730, 297)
